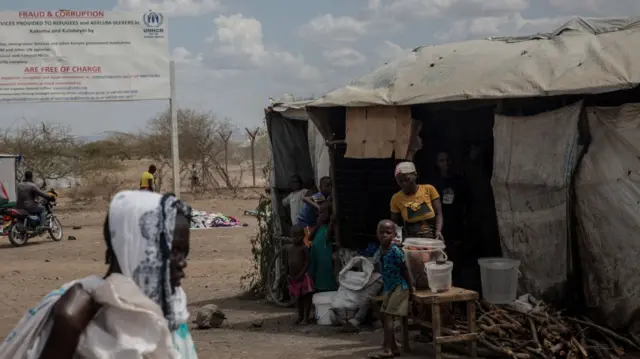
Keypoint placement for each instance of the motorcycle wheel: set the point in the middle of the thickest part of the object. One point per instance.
(55, 229)
(17, 238)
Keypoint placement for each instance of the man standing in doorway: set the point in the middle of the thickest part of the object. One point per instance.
(453, 197)
(147, 181)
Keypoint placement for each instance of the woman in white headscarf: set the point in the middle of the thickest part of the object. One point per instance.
(138, 310)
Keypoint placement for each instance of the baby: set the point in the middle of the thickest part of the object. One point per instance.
(300, 283)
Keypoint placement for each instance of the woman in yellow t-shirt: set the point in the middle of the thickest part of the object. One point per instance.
(416, 207)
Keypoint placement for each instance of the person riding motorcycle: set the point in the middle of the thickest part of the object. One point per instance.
(27, 194)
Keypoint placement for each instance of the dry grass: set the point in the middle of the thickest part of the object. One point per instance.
(98, 188)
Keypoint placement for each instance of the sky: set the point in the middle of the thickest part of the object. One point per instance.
(232, 56)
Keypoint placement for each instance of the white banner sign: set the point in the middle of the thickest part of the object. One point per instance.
(65, 55)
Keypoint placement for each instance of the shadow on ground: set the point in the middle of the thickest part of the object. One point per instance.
(271, 320)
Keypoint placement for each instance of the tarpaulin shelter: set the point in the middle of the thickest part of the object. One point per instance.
(297, 148)
(556, 117)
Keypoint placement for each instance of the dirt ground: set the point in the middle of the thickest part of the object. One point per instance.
(218, 259)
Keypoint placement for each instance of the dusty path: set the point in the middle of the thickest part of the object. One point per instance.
(218, 259)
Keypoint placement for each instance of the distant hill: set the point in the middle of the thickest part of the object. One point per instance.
(92, 138)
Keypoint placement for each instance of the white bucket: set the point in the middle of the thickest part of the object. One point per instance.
(439, 275)
(499, 278)
(322, 302)
(418, 252)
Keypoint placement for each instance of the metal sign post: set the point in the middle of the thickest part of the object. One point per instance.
(174, 130)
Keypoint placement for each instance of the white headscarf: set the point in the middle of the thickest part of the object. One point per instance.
(405, 168)
(141, 226)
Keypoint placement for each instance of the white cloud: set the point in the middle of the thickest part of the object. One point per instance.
(390, 51)
(239, 36)
(240, 39)
(345, 57)
(174, 7)
(328, 27)
(180, 55)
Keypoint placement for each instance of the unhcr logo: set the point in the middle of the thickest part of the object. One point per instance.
(152, 19)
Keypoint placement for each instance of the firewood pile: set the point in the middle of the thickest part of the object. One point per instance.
(543, 333)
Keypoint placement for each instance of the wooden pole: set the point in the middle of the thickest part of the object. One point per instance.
(225, 138)
(252, 137)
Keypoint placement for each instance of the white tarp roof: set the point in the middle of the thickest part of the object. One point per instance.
(584, 56)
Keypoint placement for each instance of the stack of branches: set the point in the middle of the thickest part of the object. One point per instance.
(545, 333)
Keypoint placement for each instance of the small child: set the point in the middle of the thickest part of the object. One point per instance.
(300, 283)
(397, 287)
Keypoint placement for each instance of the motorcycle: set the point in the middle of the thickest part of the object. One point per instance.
(5, 221)
(24, 226)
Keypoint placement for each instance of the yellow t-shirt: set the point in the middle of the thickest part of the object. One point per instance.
(417, 207)
(146, 180)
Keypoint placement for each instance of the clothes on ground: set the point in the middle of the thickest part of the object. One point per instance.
(417, 207)
(202, 219)
(321, 262)
(308, 216)
(147, 180)
(301, 287)
(391, 262)
(396, 302)
(294, 201)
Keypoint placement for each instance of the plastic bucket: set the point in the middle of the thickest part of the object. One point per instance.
(499, 278)
(322, 302)
(418, 252)
(439, 275)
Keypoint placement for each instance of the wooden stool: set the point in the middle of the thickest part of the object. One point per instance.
(435, 300)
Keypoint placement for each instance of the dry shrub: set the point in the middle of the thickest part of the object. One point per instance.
(99, 185)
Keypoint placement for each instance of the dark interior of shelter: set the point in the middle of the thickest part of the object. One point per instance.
(363, 187)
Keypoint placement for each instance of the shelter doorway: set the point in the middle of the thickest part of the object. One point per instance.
(466, 135)
(364, 187)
